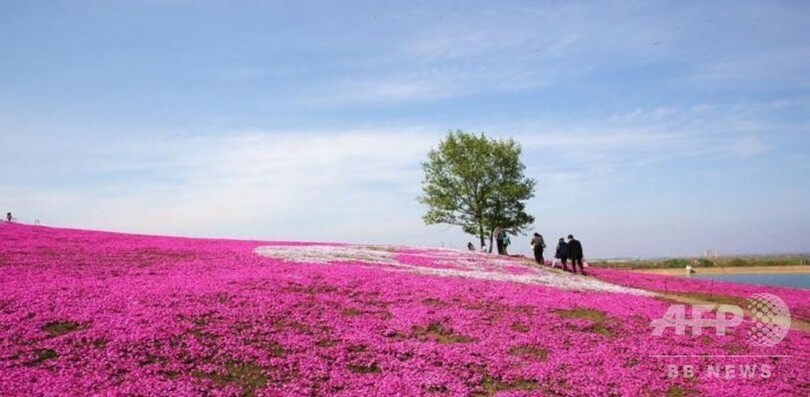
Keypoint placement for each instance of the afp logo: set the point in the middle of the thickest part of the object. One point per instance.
(769, 315)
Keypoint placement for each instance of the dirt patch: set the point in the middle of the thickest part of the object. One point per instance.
(492, 386)
(519, 327)
(372, 368)
(59, 328)
(680, 391)
(41, 356)
(433, 302)
(440, 334)
(351, 312)
(249, 377)
(326, 343)
(600, 323)
(530, 351)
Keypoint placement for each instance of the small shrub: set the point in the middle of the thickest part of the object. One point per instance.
(703, 262)
(675, 263)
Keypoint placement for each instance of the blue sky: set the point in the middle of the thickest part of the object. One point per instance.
(653, 128)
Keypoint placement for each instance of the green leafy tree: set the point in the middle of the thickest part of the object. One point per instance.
(477, 183)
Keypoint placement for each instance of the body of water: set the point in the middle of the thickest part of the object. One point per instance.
(798, 280)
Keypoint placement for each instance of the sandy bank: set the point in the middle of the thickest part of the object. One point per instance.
(731, 270)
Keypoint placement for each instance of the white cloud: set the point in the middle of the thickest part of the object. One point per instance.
(748, 147)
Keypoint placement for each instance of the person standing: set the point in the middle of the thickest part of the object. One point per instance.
(575, 253)
(9, 217)
(562, 253)
(537, 246)
(498, 232)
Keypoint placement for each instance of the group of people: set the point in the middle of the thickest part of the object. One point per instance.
(565, 250)
(571, 250)
(502, 241)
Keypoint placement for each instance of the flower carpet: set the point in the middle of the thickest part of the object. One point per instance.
(107, 314)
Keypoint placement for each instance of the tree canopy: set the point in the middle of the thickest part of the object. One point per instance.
(477, 183)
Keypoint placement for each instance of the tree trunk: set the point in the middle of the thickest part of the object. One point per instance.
(491, 235)
(481, 234)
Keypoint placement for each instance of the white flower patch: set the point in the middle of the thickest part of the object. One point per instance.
(542, 277)
(461, 264)
(324, 254)
(454, 259)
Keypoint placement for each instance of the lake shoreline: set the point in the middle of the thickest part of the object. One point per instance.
(729, 270)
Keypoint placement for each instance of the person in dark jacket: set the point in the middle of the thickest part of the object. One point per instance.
(537, 246)
(9, 217)
(470, 246)
(575, 253)
(562, 253)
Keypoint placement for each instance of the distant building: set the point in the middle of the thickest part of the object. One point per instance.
(711, 253)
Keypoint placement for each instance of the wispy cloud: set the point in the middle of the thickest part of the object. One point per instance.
(277, 182)
(530, 47)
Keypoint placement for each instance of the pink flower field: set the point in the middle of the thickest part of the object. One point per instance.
(105, 314)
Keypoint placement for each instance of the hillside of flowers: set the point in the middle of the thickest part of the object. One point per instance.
(95, 313)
